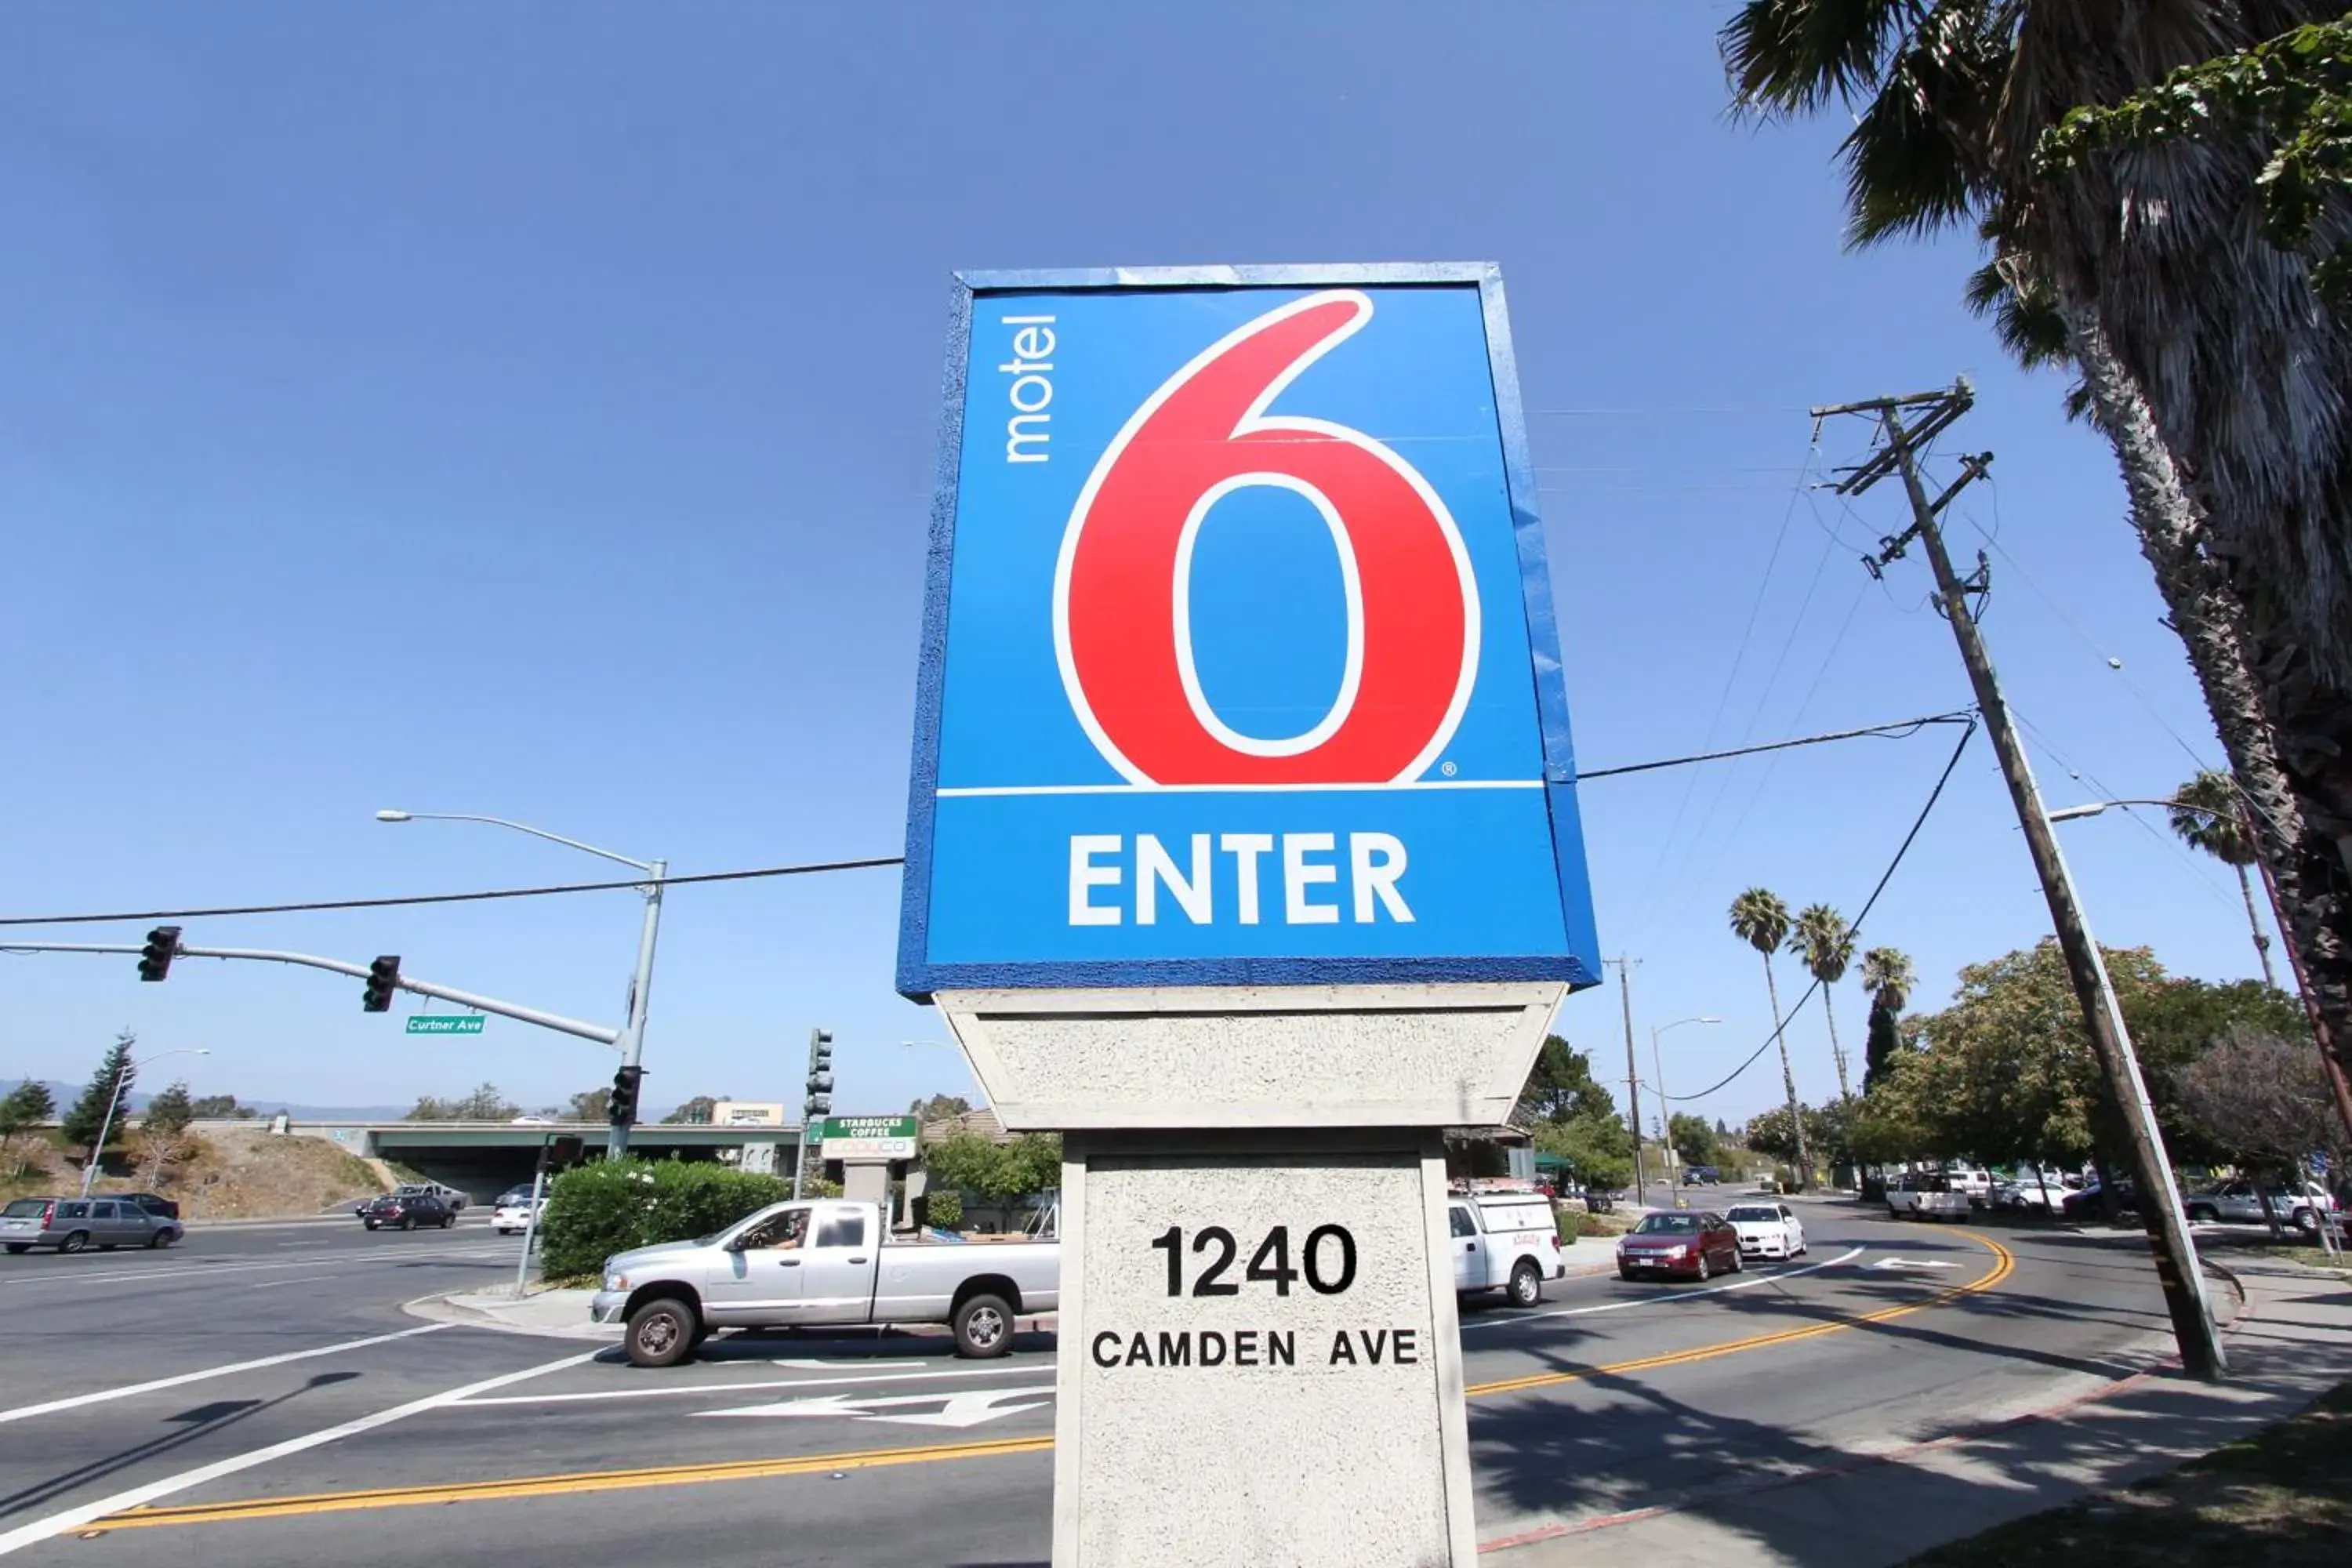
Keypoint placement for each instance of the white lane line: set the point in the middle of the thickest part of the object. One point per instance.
(302, 1244)
(764, 1385)
(25, 1412)
(103, 1276)
(73, 1519)
(1744, 1281)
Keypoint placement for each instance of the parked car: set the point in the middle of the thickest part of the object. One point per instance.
(405, 1210)
(1505, 1241)
(160, 1206)
(1766, 1230)
(1925, 1194)
(71, 1225)
(828, 1262)
(1971, 1181)
(2029, 1192)
(2240, 1203)
(452, 1196)
(1702, 1176)
(1683, 1242)
(2089, 1203)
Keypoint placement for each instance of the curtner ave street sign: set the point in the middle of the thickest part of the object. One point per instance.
(1239, 664)
(445, 1024)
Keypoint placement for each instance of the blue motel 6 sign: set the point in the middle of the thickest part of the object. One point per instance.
(1238, 656)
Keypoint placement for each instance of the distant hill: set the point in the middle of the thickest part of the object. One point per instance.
(65, 1094)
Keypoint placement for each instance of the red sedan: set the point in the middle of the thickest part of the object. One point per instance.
(1695, 1245)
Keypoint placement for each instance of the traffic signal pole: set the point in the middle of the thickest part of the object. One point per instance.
(599, 1033)
(2174, 1250)
(641, 985)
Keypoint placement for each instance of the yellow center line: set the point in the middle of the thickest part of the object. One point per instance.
(872, 1458)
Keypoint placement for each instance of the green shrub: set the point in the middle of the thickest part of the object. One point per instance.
(1569, 1221)
(611, 1205)
(946, 1208)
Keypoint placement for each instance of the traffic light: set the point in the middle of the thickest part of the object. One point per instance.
(621, 1110)
(564, 1151)
(383, 979)
(819, 1074)
(155, 958)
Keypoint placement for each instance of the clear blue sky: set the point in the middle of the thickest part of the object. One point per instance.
(529, 410)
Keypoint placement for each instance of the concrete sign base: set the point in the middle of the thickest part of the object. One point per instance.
(1259, 1357)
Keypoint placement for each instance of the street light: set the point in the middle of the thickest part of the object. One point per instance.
(106, 1125)
(633, 1032)
(1658, 1069)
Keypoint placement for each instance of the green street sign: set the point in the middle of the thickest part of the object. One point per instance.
(445, 1024)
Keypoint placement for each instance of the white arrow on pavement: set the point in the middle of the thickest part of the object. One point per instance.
(959, 1409)
(1908, 1263)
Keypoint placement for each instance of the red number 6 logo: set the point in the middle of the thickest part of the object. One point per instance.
(1122, 588)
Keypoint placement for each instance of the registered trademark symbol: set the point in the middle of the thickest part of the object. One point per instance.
(1448, 769)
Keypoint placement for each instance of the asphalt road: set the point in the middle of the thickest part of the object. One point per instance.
(260, 1396)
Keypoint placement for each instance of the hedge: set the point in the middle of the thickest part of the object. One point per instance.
(611, 1205)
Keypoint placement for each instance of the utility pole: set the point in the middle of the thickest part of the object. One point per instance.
(1633, 1073)
(2175, 1252)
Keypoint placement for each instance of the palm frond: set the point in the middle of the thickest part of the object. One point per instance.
(1792, 57)
(1916, 159)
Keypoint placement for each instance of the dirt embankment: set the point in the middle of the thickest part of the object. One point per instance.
(245, 1175)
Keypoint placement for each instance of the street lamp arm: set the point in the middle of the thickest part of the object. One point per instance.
(518, 826)
(2092, 809)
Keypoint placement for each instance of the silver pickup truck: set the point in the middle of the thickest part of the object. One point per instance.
(828, 1262)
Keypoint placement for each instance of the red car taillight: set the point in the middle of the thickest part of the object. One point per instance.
(48, 1213)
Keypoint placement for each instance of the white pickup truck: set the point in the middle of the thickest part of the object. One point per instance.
(1925, 1194)
(828, 1262)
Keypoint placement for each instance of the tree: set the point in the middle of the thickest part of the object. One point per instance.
(2206, 358)
(219, 1108)
(1560, 1087)
(939, 1108)
(1598, 1149)
(1694, 1140)
(485, 1104)
(2207, 816)
(2263, 1099)
(1887, 976)
(590, 1104)
(89, 1115)
(997, 1172)
(1760, 920)
(1824, 943)
(169, 1112)
(1774, 1133)
(695, 1112)
(23, 1110)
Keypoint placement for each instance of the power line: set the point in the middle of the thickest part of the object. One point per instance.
(1897, 730)
(409, 899)
(1919, 822)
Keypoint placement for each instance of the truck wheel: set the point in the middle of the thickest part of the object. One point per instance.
(983, 1328)
(1525, 1287)
(2306, 1220)
(662, 1332)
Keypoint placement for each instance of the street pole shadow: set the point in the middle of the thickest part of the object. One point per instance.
(200, 1421)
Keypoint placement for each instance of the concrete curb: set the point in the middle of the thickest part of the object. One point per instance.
(485, 1310)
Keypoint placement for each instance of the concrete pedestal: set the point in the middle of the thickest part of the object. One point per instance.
(1259, 1358)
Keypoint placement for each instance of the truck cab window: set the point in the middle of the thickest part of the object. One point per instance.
(842, 1230)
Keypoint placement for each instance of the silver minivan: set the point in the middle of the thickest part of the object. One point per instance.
(69, 1224)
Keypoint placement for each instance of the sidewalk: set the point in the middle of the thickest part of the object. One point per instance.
(2290, 1343)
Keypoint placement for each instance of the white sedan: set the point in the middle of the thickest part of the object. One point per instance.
(513, 1218)
(1766, 1230)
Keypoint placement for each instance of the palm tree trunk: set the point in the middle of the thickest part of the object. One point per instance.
(1837, 1052)
(2254, 705)
(2254, 923)
(1789, 1081)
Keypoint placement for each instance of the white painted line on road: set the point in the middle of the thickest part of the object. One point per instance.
(26, 1411)
(839, 1364)
(180, 1270)
(1746, 1281)
(73, 1519)
(302, 1244)
(764, 1385)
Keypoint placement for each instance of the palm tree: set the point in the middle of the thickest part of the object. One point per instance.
(2208, 360)
(1760, 920)
(2207, 816)
(1887, 976)
(1824, 942)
